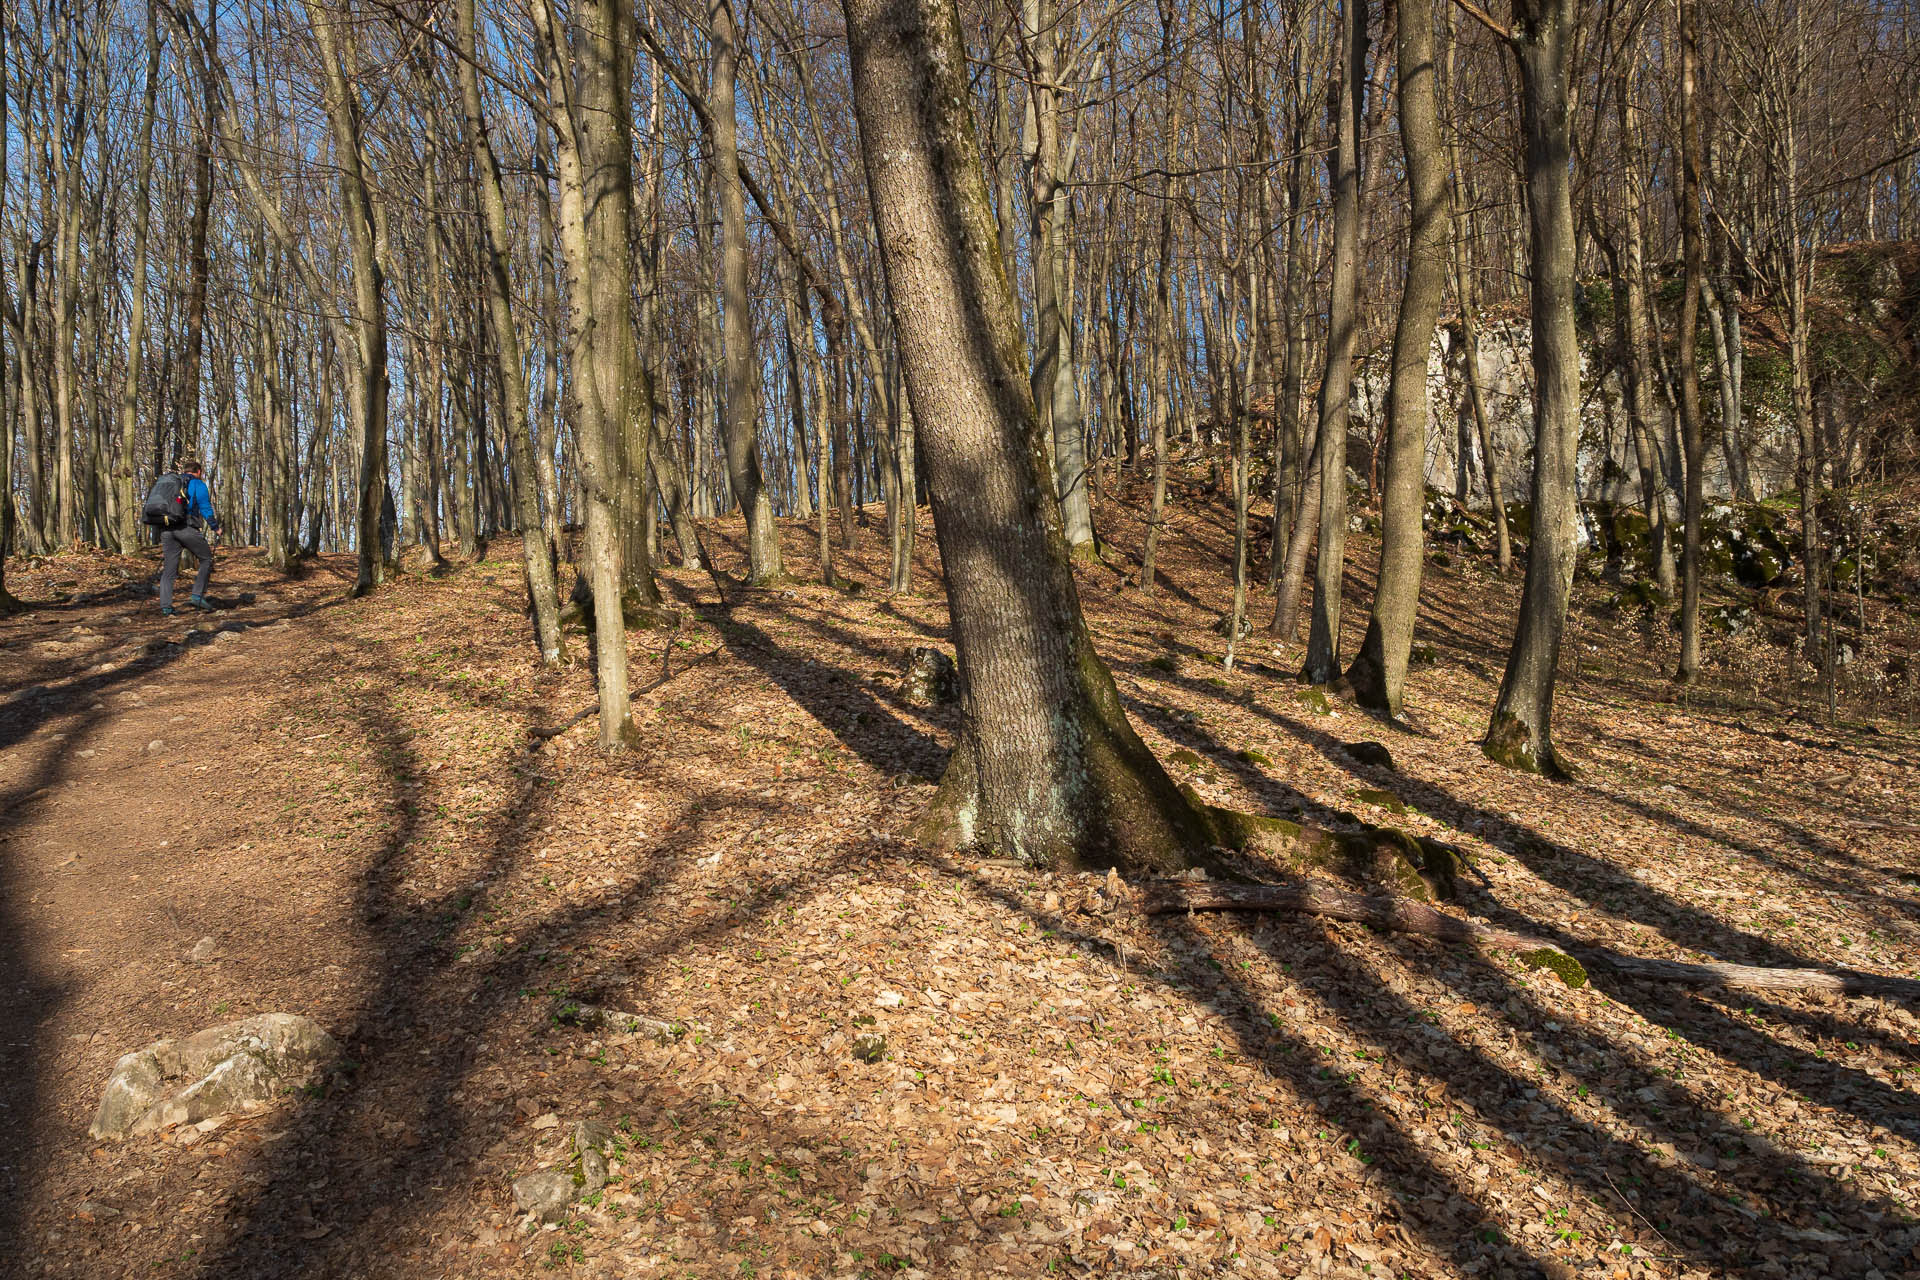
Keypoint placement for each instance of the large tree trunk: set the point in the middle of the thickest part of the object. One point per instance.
(743, 365)
(1046, 768)
(543, 591)
(1379, 673)
(1336, 381)
(1521, 732)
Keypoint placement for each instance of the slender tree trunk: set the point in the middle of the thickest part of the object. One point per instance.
(596, 194)
(369, 297)
(543, 592)
(9, 603)
(1054, 384)
(1046, 768)
(1520, 734)
(1468, 293)
(186, 410)
(1722, 303)
(1160, 404)
(1378, 675)
(1336, 382)
(1687, 343)
(743, 365)
(137, 287)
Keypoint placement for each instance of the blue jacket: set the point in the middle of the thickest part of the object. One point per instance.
(200, 503)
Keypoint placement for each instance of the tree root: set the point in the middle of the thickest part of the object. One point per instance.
(1402, 915)
(1405, 865)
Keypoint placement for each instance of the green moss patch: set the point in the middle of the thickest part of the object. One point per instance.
(1372, 858)
(1380, 799)
(1559, 963)
(1507, 743)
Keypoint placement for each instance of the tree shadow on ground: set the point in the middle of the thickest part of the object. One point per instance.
(34, 998)
(1691, 1015)
(1443, 1208)
(34, 705)
(839, 701)
(419, 1114)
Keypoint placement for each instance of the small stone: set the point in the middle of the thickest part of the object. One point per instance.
(202, 951)
(545, 1193)
(592, 1135)
(92, 1209)
(155, 747)
(931, 679)
(1371, 754)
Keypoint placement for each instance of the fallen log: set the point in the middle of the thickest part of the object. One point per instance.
(1402, 915)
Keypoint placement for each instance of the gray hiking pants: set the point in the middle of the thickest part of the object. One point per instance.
(172, 542)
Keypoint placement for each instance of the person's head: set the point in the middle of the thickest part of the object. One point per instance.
(188, 466)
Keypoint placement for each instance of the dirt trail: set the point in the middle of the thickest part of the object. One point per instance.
(132, 827)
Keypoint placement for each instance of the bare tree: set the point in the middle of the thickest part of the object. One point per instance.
(1046, 767)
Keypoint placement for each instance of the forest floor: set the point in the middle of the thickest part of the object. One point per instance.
(345, 796)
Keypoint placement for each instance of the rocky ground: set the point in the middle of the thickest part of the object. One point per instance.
(831, 1053)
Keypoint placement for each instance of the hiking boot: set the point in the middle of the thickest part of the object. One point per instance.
(200, 603)
(166, 611)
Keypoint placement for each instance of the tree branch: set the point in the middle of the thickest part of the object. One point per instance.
(1485, 19)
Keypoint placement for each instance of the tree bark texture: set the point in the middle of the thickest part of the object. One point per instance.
(1046, 768)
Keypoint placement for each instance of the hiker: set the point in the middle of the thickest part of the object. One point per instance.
(180, 506)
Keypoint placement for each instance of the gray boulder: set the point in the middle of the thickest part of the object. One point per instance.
(545, 1193)
(241, 1066)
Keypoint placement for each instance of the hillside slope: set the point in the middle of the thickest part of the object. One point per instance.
(347, 799)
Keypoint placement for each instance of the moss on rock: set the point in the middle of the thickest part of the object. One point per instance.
(1559, 963)
(1371, 858)
(1380, 799)
(1315, 699)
